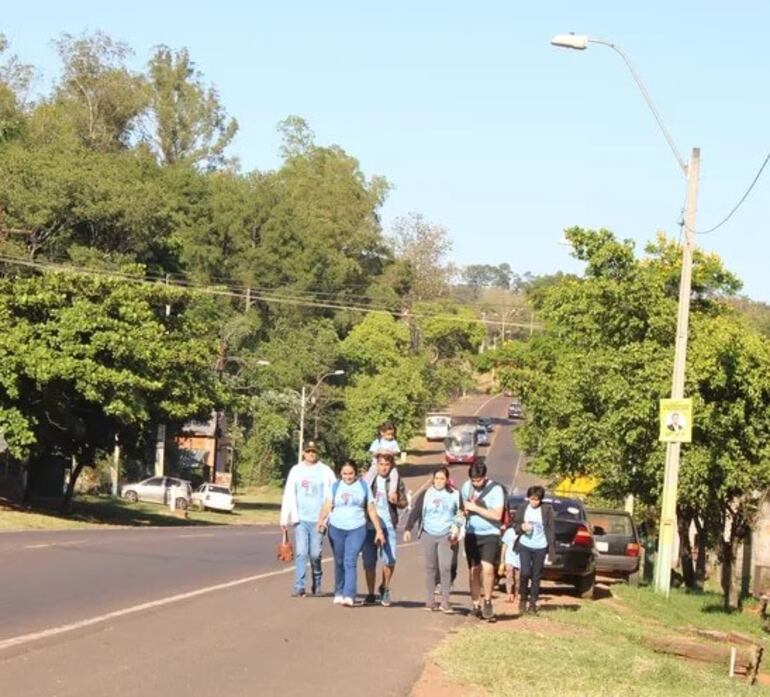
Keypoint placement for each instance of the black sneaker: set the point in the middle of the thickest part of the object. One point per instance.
(370, 599)
(298, 593)
(476, 610)
(487, 613)
(533, 609)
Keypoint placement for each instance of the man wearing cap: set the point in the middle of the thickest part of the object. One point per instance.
(306, 489)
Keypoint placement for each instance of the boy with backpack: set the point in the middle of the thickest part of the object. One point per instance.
(379, 479)
(485, 507)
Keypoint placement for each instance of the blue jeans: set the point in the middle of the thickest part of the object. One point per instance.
(308, 543)
(346, 545)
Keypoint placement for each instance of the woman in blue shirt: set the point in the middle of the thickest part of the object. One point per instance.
(348, 503)
(437, 511)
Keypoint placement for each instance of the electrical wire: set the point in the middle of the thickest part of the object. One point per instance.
(737, 205)
(160, 279)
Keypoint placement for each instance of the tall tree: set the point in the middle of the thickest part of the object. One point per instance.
(15, 80)
(187, 120)
(104, 98)
(424, 246)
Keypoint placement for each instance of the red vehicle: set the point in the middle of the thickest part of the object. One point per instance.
(461, 445)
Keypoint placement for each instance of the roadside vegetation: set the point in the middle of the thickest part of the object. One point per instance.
(592, 381)
(257, 506)
(598, 649)
(145, 279)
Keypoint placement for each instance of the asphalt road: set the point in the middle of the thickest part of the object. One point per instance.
(99, 612)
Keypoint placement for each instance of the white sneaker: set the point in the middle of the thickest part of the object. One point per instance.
(338, 599)
(347, 602)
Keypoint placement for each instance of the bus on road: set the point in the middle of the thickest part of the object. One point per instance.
(437, 426)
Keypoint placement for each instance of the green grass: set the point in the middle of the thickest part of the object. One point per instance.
(596, 650)
(255, 507)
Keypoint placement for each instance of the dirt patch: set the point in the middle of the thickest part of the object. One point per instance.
(435, 683)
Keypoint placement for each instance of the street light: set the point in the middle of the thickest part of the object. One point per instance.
(303, 399)
(691, 171)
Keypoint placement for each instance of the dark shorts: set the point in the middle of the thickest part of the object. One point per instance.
(479, 548)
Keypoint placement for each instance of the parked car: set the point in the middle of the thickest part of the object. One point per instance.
(487, 422)
(213, 496)
(617, 544)
(575, 561)
(159, 490)
(482, 435)
(515, 410)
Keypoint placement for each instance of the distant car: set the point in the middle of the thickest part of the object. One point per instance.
(486, 421)
(213, 496)
(482, 435)
(159, 490)
(617, 543)
(575, 561)
(515, 411)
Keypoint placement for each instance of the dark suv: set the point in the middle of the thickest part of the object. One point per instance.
(617, 544)
(575, 561)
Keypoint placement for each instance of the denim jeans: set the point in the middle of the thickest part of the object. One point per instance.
(308, 543)
(532, 561)
(346, 545)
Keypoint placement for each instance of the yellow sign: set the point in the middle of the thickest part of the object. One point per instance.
(675, 420)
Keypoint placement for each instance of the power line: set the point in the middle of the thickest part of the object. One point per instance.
(737, 205)
(264, 297)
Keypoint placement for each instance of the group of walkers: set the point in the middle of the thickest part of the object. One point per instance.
(360, 513)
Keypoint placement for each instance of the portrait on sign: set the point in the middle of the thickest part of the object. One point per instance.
(675, 420)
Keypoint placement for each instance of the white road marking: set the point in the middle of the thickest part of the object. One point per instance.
(491, 399)
(516, 469)
(115, 614)
(69, 543)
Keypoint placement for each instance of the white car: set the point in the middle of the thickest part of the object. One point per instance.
(213, 496)
(159, 490)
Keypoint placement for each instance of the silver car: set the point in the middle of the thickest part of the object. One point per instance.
(159, 490)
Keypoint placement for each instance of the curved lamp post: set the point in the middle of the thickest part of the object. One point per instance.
(304, 396)
(691, 171)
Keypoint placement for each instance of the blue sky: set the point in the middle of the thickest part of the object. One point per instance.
(475, 119)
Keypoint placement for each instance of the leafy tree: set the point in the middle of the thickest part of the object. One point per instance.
(424, 246)
(488, 275)
(396, 393)
(376, 343)
(593, 380)
(104, 98)
(187, 120)
(87, 358)
(449, 331)
(15, 80)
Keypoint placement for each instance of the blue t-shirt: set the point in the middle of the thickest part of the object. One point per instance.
(439, 509)
(381, 502)
(382, 445)
(493, 499)
(349, 504)
(509, 540)
(309, 487)
(535, 538)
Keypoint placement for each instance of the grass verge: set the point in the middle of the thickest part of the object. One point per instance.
(596, 649)
(256, 507)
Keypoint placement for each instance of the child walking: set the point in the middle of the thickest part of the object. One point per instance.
(509, 560)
